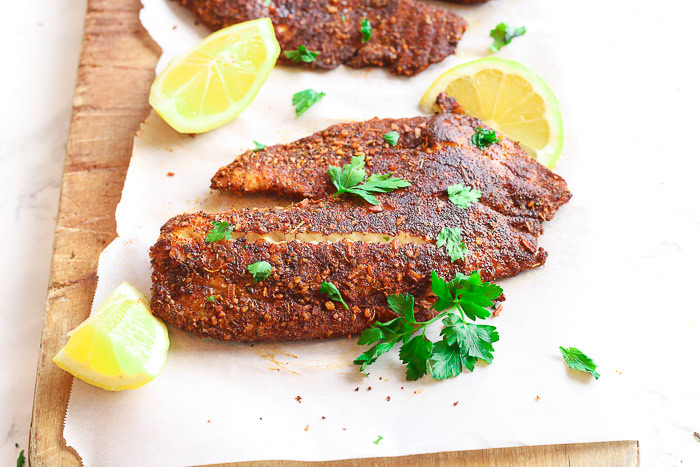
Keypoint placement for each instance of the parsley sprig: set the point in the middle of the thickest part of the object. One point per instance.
(259, 146)
(463, 343)
(302, 54)
(392, 138)
(503, 34)
(350, 178)
(303, 100)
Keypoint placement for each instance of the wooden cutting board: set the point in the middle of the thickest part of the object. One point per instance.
(116, 68)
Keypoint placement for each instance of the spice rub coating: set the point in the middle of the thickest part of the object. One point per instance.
(288, 304)
(432, 153)
(407, 35)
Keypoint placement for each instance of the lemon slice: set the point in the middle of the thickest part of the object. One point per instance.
(121, 346)
(509, 97)
(214, 82)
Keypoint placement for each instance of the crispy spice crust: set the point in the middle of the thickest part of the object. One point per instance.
(288, 304)
(432, 153)
(407, 35)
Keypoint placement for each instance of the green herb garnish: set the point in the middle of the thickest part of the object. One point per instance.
(578, 360)
(260, 270)
(21, 459)
(349, 178)
(303, 100)
(212, 298)
(220, 231)
(258, 146)
(266, 2)
(464, 297)
(463, 196)
(333, 293)
(302, 54)
(503, 34)
(379, 438)
(366, 30)
(392, 137)
(483, 138)
(451, 239)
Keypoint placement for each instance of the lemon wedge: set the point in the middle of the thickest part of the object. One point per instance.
(508, 96)
(121, 346)
(216, 80)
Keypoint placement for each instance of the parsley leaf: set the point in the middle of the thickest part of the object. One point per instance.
(348, 180)
(379, 438)
(266, 2)
(333, 293)
(391, 137)
(212, 298)
(483, 138)
(462, 342)
(503, 34)
(303, 100)
(260, 270)
(220, 231)
(451, 239)
(302, 54)
(463, 196)
(258, 146)
(578, 360)
(366, 30)
(20, 459)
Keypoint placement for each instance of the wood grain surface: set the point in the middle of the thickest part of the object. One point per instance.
(111, 99)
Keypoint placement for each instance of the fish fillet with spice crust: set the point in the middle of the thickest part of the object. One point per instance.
(367, 253)
(407, 35)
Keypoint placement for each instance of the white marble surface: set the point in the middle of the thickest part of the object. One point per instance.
(39, 46)
(634, 65)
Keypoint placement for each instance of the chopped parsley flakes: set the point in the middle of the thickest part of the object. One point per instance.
(503, 34)
(366, 30)
(451, 239)
(328, 288)
(303, 100)
(302, 54)
(260, 270)
(392, 137)
(483, 138)
(578, 360)
(463, 196)
(220, 231)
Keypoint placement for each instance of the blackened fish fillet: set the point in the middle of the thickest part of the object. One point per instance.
(367, 253)
(432, 153)
(407, 35)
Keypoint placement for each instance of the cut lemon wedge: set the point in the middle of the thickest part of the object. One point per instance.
(121, 346)
(214, 82)
(508, 96)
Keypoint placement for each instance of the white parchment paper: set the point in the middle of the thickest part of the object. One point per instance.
(600, 291)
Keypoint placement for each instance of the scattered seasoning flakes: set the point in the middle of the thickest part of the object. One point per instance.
(388, 398)
(379, 438)
(455, 404)
(498, 310)
(357, 388)
(208, 421)
(697, 435)
(537, 398)
(323, 418)
(369, 388)
(171, 174)
(402, 388)
(16, 445)
(298, 399)
(307, 428)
